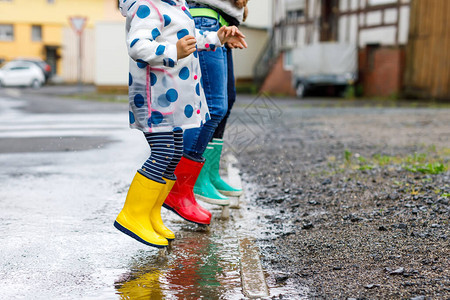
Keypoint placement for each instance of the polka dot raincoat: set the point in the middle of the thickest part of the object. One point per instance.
(164, 93)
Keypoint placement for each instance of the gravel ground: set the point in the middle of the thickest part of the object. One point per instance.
(356, 198)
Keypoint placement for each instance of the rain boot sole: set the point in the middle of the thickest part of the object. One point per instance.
(220, 202)
(135, 236)
(231, 193)
(173, 210)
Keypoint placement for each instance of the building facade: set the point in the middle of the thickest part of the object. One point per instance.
(110, 47)
(378, 28)
(42, 28)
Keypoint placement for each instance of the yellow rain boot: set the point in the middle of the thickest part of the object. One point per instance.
(155, 215)
(134, 218)
(145, 286)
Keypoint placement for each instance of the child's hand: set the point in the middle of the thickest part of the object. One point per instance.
(232, 36)
(186, 46)
(232, 45)
(240, 3)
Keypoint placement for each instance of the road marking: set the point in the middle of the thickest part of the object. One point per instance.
(61, 125)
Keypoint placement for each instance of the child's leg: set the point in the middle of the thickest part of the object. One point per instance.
(214, 76)
(231, 89)
(162, 152)
(169, 178)
(140, 217)
(178, 153)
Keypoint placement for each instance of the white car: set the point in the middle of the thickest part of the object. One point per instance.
(21, 73)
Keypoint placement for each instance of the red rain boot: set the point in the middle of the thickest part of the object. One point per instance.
(181, 198)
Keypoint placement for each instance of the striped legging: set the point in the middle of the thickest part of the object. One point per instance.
(166, 151)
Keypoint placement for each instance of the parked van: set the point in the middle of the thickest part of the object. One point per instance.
(322, 65)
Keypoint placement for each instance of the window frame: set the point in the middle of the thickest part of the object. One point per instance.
(39, 38)
(383, 2)
(4, 32)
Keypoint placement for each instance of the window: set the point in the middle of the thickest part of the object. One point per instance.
(381, 2)
(36, 33)
(294, 15)
(287, 60)
(6, 32)
(20, 68)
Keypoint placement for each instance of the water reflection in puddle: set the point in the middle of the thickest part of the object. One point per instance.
(200, 264)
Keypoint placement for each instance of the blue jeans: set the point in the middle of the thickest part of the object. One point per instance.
(231, 88)
(214, 81)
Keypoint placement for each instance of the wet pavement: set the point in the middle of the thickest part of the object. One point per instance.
(64, 177)
(316, 201)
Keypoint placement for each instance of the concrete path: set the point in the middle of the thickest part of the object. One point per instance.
(64, 178)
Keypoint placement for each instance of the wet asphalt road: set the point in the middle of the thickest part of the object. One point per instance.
(66, 166)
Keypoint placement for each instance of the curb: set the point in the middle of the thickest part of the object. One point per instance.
(253, 280)
(252, 276)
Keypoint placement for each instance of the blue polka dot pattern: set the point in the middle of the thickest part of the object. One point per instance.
(167, 20)
(155, 33)
(172, 95)
(160, 49)
(130, 79)
(182, 33)
(184, 73)
(141, 64)
(162, 101)
(168, 62)
(131, 116)
(156, 117)
(139, 100)
(143, 11)
(133, 42)
(153, 78)
(169, 2)
(196, 54)
(177, 129)
(207, 117)
(188, 111)
(197, 89)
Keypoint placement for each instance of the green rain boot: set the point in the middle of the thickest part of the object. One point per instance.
(204, 189)
(214, 175)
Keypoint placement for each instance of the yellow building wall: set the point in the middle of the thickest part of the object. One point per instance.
(53, 18)
(41, 12)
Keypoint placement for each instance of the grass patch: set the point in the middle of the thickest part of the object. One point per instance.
(425, 163)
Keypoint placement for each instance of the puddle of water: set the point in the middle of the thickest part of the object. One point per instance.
(201, 264)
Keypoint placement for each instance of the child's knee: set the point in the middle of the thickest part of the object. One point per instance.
(219, 113)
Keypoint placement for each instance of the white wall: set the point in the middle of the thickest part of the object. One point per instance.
(382, 35)
(111, 57)
(70, 56)
(260, 14)
(246, 59)
(256, 30)
(111, 63)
